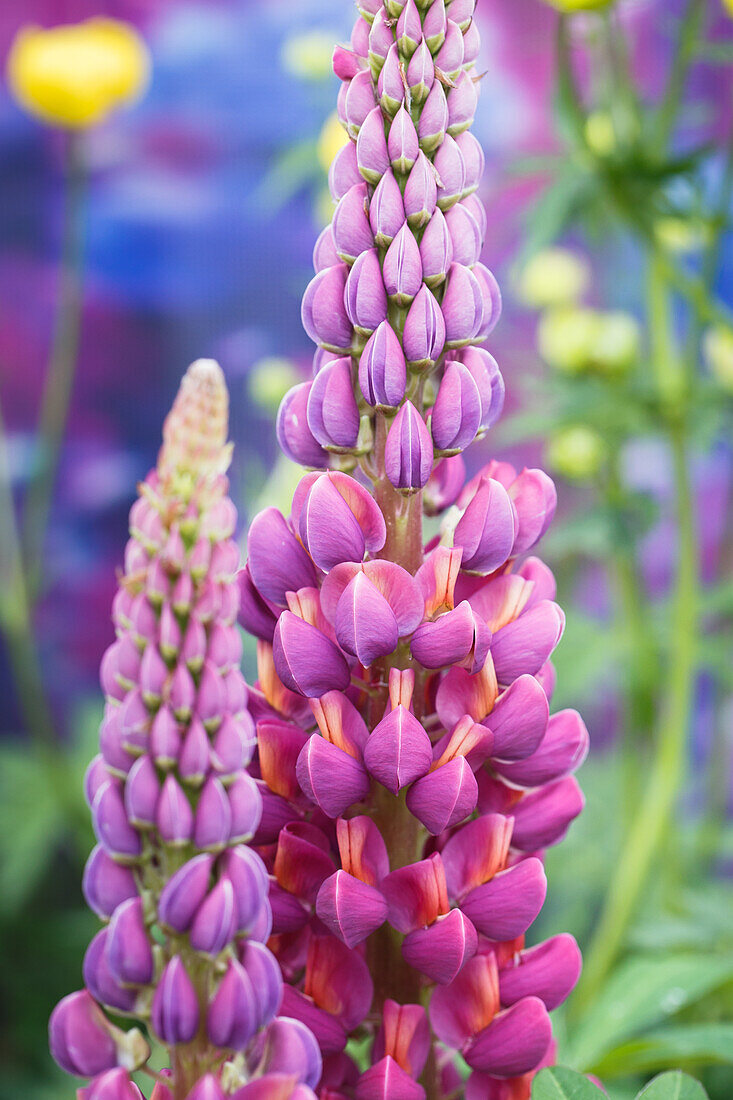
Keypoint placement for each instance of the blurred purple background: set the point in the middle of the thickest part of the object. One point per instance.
(203, 206)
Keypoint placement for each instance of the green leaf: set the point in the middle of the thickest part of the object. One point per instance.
(30, 821)
(559, 1083)
(673, 1086)
(642, 992)
(693, 1044)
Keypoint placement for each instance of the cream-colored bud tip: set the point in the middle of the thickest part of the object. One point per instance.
(206, 372)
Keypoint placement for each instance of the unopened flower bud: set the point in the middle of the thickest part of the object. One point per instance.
(408, 453)
(462, 101)
(402, 269)
(390, 86)
(382, 368)
(436, 250)
(456, 415)
(386, 210)
(323, 312)
(450, 56)
(421, 192)
(420, 73)
(451, 171)
(352, 233)
(424, 332)
(371, 147)
(433, 122)
(333, 416)
(364, 293)
(402, 143)
(175, 1012)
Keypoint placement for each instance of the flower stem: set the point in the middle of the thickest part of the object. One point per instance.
(655, 808)
(684, 53)
(641, 667)
(15, 616)
(60, 372)
(402, 832)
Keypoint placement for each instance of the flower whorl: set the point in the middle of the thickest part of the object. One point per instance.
(182, 896)
(410, 771)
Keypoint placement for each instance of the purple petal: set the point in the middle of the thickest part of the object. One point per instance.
(504, 908)
(441, 950)
(332, 413)
(408, 454)
(514, 1042)
(351, 909)
(542, 817)
(306, 660)
(332, 778)
(548, 971)
(365, 623)
(445, 796)
(398, 750)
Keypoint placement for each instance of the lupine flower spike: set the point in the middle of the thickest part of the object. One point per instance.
(410, 771)
(182, 898)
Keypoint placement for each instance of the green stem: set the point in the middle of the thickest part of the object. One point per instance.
(655, 809)
(640, 670)
(403, 834)
(60, 372)
(684, 53)
(15, 616)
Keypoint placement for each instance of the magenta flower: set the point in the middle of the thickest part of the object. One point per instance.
(184, 900)
(410, 771)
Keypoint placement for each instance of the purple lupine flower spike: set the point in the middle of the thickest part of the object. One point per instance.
(408, 794)
(171, 802)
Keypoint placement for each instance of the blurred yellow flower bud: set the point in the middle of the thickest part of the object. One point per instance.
(600, 134)
(728, 6)
(332, 138)
(270, 379)
(566, 338)
(617, 340)
(682, 235)
(309, 55)
(553, 277)
(576, 452)
(718, 350)
(75, 75)
(569, 6)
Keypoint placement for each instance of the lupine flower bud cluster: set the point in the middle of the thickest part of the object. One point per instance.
(410, 771)
(182, 897)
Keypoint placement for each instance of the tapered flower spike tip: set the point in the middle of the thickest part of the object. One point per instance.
(183, 899)
(195, 430)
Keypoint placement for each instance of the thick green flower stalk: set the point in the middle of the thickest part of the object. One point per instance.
(182, 897)
(410, 771)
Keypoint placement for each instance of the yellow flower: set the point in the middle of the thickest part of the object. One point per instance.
(566, 338)
(553, 277)
(569, 6)
(331, 139)
(616, 345)
(576, 452)
(718, 350)
(683, 235)
(309, 55)
(270, 379)
(600, 134)
(728, 6)
(75, 75)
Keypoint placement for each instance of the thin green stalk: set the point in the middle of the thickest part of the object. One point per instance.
(15, 616)
(643, 840)
(60, 372)
(718, 767)
(641, 669)
(686, 40)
